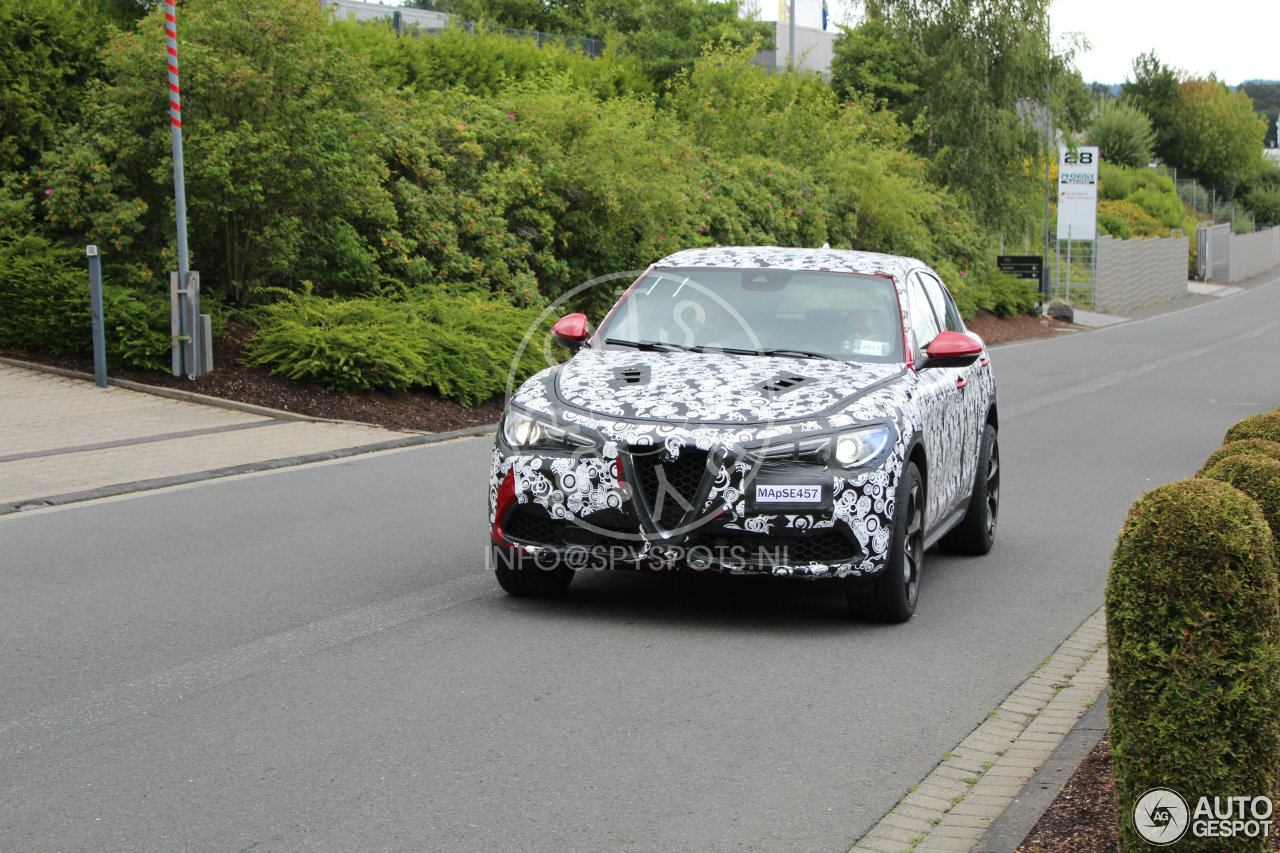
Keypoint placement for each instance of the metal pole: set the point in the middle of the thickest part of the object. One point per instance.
(1048, 142)
(189, 365)
(791, 36)
(95, 314)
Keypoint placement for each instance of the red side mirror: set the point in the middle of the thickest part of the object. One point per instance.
(952, 349)
(571, 331)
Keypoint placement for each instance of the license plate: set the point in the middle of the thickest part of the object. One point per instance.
(779, 493)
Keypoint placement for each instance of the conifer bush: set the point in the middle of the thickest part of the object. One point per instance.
(1259, 478)
(1240, 447)
(1192, 629)
(1265, 425)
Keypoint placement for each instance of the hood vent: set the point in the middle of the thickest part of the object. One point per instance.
(635, 375)
(782, 383)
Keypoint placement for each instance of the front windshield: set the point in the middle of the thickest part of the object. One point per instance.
(835, 315)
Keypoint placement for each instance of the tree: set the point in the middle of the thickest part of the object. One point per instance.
(870, 60)
(1218, 135)
(970, 76)
(1154, 90)
(1122, 133)
(48, 54)
(1266, 101)
(284, 179)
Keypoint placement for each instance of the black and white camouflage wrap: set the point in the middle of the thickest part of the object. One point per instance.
(714, 402)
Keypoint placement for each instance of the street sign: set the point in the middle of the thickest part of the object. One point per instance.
(1030, 267)
(1078, 193)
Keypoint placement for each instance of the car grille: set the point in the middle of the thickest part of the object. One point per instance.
(683, 476)
(532, 525)
(823, 546)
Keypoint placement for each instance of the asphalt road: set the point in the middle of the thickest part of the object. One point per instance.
(316, 659)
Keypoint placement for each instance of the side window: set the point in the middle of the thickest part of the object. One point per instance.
(924, 324)
(943, 305)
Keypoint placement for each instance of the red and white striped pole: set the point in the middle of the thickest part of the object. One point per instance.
(188, 309)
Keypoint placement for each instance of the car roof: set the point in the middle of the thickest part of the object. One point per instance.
(775, 257)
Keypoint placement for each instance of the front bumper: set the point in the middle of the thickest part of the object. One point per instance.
(687, 508)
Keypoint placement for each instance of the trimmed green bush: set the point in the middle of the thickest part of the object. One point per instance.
(1259, 478)
(1251, 446)
(1265, 425)
(460, 347)
(1192, 629)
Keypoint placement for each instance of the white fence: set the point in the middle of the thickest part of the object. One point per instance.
(1140, 272)
(1226, 258)
(424, 18)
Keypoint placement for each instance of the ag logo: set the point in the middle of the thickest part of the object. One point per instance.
(1161, 816)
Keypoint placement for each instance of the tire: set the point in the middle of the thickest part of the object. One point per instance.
(977, 532)
(521, 576)
(892, 595)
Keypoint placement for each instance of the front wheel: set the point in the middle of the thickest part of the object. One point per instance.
(977, 532)
(524, 576)
(892, 596)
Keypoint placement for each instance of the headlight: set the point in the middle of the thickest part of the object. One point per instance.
(858, 447)
(523, 431)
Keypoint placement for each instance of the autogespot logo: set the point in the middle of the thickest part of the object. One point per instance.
(1161, 816)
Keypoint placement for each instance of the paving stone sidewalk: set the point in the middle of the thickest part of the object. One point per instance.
(63, 438)
(973, 785)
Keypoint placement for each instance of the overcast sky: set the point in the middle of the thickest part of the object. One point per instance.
(1236, 39)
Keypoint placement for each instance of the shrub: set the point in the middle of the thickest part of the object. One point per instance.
(1259, 478)
(1240, 447)
(1264, 204)
(1192, 631)
(1122, 133)
(461, 347)
(1265, 425)
(44, 305)
(1137, 221)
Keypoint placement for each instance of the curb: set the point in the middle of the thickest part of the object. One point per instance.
(184, 396)
(1017, 821)
(247, 468)
(954, 807)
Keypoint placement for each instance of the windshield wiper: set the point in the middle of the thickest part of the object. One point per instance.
(643, 346)
(796, 353)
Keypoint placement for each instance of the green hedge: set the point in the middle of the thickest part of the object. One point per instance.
(44, 305)
(1241, 447)
(1259, 478)
(1193, 625)
(1265, 425)
(462, 347)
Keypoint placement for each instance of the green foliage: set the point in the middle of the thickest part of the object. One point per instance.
(869, 60)
(1264, 204)
(48, 55)
(1265, 425)
(960, 75)
(1265, 96)
(44, 305)
(463, 348)
(1154, 91)
(282, 172)
(1218, 135)
(665, 36)
(1139, 203)
(1193, 640)
(1258, 477)
(1122, 133)
(486, 64)
(1255, 446)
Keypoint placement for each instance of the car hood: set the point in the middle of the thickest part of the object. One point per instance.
(712, 388)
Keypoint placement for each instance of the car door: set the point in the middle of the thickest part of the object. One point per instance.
(971, 398)
(937, 395)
